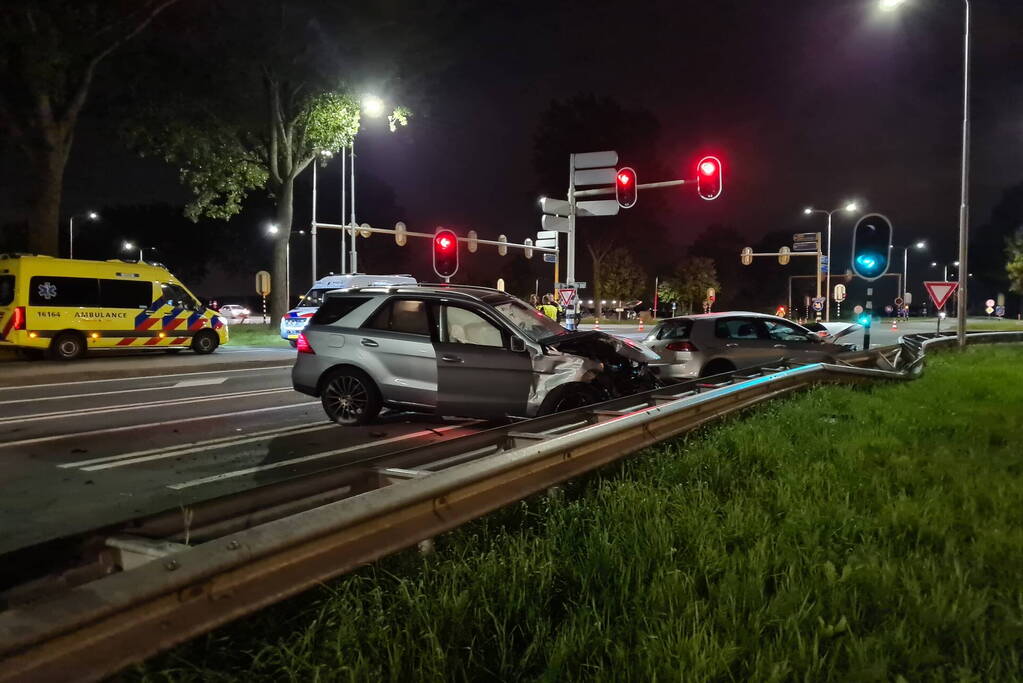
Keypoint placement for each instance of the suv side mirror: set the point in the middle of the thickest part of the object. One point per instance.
(518, 344)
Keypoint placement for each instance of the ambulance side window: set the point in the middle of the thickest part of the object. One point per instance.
(178, 298)
(125, 294)
(44, 290)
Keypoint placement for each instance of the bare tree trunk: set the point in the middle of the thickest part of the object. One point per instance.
(598, 288)
(46, 179)
(279, 303)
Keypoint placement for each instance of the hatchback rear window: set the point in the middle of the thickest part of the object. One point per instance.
(6, 289)
(676, 330)
(336, 307)
(736, 328)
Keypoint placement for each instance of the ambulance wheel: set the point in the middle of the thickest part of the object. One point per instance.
(205, 341)
(67, 346)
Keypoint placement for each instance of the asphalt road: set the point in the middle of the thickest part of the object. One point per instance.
(80, 454)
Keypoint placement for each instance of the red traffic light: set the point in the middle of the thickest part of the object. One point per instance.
(708, 178)
(626, 191)
(445, 254)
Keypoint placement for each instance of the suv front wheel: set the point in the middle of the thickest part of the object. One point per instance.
(350, 398)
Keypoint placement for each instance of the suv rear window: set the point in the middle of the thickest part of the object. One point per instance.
(6, 289)
(336, 307)
(401, 315)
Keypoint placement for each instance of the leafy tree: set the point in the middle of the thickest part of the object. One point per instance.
(255, 123)
(688, 285)
(1014, 266)
(49, 51)
(621, 277)
(721, 244)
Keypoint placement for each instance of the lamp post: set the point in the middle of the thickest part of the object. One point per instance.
(919, 244)
(130, 246)
(373, 107)
(850, 207)
(92, 216)
(964, 169)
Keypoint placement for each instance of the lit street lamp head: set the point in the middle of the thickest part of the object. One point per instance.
(372, 106)
(852, 206)
(921, 244)
(272, 229)
(890, 5)
(93, 216)
(808, 210)
(128, 246)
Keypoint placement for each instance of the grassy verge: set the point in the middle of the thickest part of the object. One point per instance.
(996, 325)
(843, 534)
(255, 335)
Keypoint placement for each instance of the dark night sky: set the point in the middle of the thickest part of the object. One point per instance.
(806, 101)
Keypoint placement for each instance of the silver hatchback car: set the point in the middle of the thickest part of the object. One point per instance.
(704, 345)
(456, 350)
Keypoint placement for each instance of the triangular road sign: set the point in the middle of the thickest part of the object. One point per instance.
(940, 292)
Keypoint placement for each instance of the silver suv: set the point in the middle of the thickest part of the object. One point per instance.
(456, 350)
(704, 345)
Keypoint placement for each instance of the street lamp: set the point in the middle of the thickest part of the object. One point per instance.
(919, 244)
(848, 207)
(964, 169)
(91, 215)
(130, 246)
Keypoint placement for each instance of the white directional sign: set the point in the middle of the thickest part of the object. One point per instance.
(555, 206)
(595, 176)
(545, 242)
(554, 223)
(595, 159)
(601, 207)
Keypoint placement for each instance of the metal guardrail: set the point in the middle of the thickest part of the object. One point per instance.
(96, 629)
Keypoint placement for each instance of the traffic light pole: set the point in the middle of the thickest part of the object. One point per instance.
(573, 322)
(313, 229)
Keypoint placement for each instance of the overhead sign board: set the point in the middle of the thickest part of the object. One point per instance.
(601, 207)
(550, 258)
(546, 244)
(554, 223)
(940, 292)
(547, 235)
(805, 237)
(595, 159)
(595, 176)
(804, 246)
(555, 206)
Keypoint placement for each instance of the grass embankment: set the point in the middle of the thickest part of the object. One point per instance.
(255, 335)
(843, 534)
(995, 324)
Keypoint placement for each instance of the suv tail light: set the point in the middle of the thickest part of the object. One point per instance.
(18, 318)
(302, 344)
(681, 346)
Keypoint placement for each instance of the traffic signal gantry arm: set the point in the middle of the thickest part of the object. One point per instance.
(366, 228)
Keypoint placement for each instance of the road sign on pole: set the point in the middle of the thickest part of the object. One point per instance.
(595, 176)
(566, 298)
(554, 223)
(839, 293)
(547, 239)
(746, 256)
(818, 304)
(600, 207)
(595, 159)
(940, 292)
(783, 256)
(558, 207)
(262, 283)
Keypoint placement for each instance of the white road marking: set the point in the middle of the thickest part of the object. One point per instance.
(206, 381)
(140, 406)
(180, 385)
(306, 458)
(186, 449)
(131, 379)
(151, 425)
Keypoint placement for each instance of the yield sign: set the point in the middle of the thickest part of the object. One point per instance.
(940, 292)
(566, 298)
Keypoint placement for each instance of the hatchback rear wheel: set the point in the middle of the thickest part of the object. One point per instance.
(350, 398)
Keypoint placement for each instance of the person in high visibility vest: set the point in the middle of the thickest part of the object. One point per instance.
(548, 308)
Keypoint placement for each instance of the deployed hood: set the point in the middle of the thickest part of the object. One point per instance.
(577, 342)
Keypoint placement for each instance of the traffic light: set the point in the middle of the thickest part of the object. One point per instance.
(864, 319)
(708, 178)
(625, 187)
(445, 254)
(872, 245)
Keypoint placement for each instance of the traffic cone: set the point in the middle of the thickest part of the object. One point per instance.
(895, 324)
(596, 323)
(640, 324)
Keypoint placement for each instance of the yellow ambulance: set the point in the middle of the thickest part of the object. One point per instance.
(66, 307)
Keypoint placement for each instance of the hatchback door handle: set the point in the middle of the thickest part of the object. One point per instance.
(448, 358)
(731, 346)
(779, 346)
(369, 342)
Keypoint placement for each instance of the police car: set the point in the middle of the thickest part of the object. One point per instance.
(295, 320)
